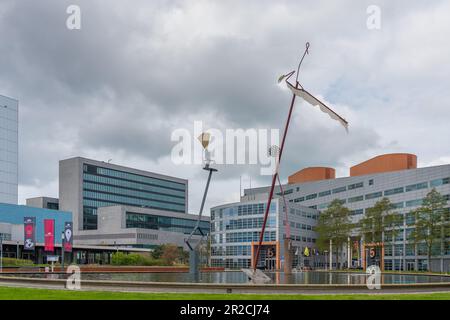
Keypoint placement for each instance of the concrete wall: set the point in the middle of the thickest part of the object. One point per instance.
(71, 190)
(41, 202)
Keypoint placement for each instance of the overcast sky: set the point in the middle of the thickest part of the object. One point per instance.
(138, 70)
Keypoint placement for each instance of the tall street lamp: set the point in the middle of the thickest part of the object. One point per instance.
(62, 251)
(1, 253)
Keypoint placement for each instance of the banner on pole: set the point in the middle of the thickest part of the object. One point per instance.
(29, 233)
(68, 236)
(49, 235)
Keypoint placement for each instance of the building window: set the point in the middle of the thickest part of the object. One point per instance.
(371, 182)
(357, 212)
(414, 203)
(388, 264)
(355, 199)
(410, 250)
(356, 185)
(325, 193)
(388, 251)
(439, 182)
(311, 196)
(391, 192)
(418, 186)
(374, 195)
(398, 205)
(339, 190)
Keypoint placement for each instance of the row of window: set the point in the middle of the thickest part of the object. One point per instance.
(251, 236)
(132, 177)
(164, 223)
(303, 239)
(231, 263)
(300, 226)
(88, 186)
(97, 201)
(397, 264)
(231, 251)
(242, 210)
(302, 213)
(250, 223)
(390, 192)
(132, 185)
(397, 205)
(410, 249)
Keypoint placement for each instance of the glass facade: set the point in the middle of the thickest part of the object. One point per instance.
(107, 187)
(164, 223)
(234, 227)
(8, 150)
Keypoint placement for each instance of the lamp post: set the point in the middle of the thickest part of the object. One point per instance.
(62, 251)
(1, 253)
(194, 268)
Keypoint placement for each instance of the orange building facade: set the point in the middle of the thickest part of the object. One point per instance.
(312, 174)
(385, 163)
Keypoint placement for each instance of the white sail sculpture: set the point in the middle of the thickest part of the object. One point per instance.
(308, 97)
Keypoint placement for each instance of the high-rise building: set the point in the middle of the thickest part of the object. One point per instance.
(9, 119)
(86, 185)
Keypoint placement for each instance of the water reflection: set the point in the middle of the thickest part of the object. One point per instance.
(311, 277)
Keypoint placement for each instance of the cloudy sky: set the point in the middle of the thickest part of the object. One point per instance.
(137, 71)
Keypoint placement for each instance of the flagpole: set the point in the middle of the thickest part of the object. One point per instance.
(274, 179)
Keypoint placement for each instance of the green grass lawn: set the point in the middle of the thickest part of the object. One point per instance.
(7, 293)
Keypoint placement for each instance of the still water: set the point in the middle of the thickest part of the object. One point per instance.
(310, 277)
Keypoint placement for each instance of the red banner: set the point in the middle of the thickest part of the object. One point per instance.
(49, 234)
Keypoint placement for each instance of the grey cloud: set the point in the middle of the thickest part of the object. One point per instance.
(135, 72)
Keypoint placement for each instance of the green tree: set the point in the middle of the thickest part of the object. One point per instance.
(379, 220)
(170, 254)
(334, 224)
(157, 252)
(431, 222)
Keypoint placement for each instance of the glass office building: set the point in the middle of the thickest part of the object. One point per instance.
(86, 185)
(9, 111)
(236, 229)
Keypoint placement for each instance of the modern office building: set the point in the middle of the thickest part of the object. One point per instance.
(236, 228)
(12, 236)
(43, 203)
(86, 185)
(135, 227)
(9, 128)
(394, 176)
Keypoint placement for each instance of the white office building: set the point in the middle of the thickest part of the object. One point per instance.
(394, 176)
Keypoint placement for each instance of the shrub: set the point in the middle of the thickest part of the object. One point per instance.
(133, 259)
(12, 262)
